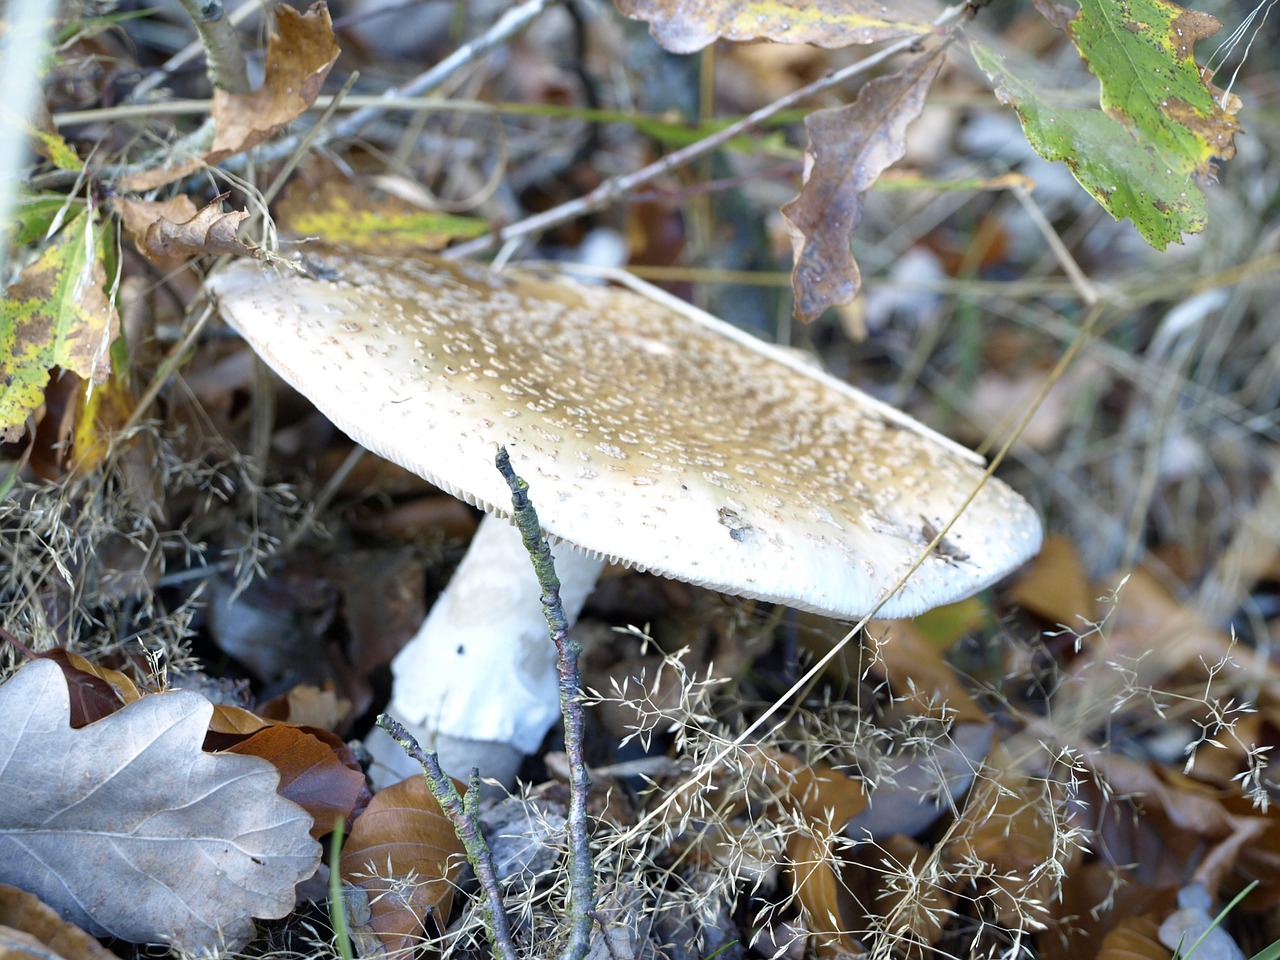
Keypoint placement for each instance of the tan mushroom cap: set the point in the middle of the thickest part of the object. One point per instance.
(666, 442)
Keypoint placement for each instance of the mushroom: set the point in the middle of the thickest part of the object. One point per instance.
(658, 438)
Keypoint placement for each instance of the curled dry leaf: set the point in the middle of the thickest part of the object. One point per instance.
(683, 27)
(849, 147)
(22, 915)
(299, 57)
(130, 830)
(175, 230)
(404, 854)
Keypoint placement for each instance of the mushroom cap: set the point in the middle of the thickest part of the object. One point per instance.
(661, 439)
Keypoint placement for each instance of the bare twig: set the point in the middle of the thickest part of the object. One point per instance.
(507, 26)
(581, 870)
(223, 56)
(619, 187)
(462, 814)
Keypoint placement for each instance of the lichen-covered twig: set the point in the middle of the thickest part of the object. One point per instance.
(224, 57)
(462, 813)
(581, 869)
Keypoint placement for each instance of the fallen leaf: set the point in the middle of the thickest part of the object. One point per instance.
(130, 830)
(683, 27)
(849, 147)
(1133, 938)
(404, 853)
(338, 211)
(311, 775)
(817, 890)
(306, 705)
(1055, 587)
(176, 230)
(56, 315)
(23, 912)
(298, 59)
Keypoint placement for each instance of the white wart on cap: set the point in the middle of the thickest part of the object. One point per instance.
(659, 439)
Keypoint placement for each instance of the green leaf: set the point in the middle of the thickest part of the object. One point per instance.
(34, 215)
(57, 314)
(1160, 130)
(1142, 52)
(1132, 178)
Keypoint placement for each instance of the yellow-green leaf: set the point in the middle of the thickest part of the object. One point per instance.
(1131, 178)
(683, 27)
(1142, 52)
(57, 314)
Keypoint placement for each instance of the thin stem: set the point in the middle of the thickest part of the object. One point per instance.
(224, 57)
(462, 813)
(621, 186)
(581, 870)
(506, 26)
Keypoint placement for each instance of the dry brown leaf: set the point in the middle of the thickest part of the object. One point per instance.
(1009, 823)
(1134, 938)
(311, 775)
(307, 705)
(24, 913)
(918, 671)
(817, 890)
(683, 27)
(849, 147)
(299, 57)
(1055, 587)
(909, 895)
(404, 853)
(129, 829)
(210, 230)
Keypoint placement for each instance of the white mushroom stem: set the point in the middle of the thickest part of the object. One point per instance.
(479, 678)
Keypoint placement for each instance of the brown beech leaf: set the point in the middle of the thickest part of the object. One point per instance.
(311, 775)
(130, 830)
(683, 27)
(849, 147)
(299, 57)
(174, 230)
(1134, 938)
(1055, 586)
(817, 890)
(22, 913)
(404, 854)
(307, 705)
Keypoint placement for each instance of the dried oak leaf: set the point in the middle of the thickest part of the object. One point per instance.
(129, 829)
(175, 230)
(849, 147)
(683, 27)
(404, 854)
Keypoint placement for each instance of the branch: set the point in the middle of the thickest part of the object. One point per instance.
(582, 898)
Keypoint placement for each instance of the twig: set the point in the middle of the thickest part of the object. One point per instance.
(224, 59)
(509, 24)
(618, 187)
(167, 69)
(462, 813)
(581, 871)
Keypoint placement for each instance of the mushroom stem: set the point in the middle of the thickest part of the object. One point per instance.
(478, 681)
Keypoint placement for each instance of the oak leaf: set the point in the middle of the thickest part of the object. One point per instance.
(130, 830)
